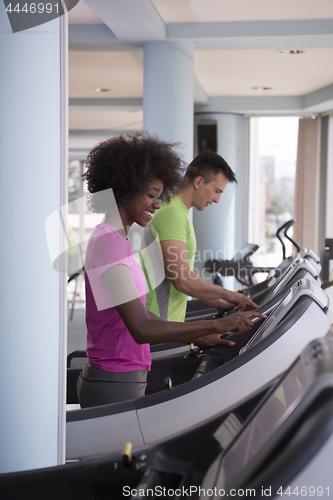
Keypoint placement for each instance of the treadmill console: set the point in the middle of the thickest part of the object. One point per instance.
(298, 263)
(301, 287)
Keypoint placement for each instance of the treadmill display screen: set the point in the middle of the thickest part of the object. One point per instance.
(282, 282)
(265, 328)
(263, 425)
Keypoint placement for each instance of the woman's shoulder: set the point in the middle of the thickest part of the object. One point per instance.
(105, 240)
(108, 232)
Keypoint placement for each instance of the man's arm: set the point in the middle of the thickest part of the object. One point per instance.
(190, 283)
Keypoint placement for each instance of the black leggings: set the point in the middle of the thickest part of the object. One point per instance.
(96, 387)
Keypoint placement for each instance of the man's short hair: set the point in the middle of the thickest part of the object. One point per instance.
(207, 164)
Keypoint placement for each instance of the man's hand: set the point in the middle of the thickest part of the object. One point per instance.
(237, 323)
(239, 301)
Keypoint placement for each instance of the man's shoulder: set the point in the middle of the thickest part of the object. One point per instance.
(170, 212)
(171, 205)
(170, 223)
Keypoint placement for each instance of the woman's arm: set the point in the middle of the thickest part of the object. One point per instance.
(147, 329)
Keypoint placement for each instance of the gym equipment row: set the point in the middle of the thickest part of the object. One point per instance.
(300, 314)
(277, 443)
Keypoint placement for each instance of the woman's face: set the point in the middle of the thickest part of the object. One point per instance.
(141, 208)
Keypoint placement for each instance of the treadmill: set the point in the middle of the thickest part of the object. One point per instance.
(196, 309)
(162, 354)
(302, 315)
(303, 267)
(285, 447)
(242, 268)
(280, 271)
(109, 476)
(277, 444)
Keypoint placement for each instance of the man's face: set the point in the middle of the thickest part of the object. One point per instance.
(206, 194)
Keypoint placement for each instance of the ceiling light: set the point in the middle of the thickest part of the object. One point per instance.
(98, 89)
(262, 88)
(288, 52)
(296, 51)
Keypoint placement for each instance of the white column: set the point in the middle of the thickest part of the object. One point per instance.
(31, 303)
(168, 93)
(220, 228)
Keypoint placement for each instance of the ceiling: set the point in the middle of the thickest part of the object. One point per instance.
(189, 11)
(238, 46)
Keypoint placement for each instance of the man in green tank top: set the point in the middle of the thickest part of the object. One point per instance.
(205, 180)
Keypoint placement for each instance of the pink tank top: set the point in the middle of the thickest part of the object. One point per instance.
(110, 346)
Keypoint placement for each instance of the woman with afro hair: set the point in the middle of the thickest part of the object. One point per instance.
(128, 176)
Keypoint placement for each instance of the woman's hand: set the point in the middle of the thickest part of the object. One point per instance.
(212, 340)
(237, 323)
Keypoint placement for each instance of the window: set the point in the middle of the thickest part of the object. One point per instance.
(81, 223)
(273, 151)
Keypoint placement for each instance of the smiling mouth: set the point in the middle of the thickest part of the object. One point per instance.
(150, 214)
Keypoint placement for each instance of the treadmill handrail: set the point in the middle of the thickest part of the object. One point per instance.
(294, 242)
(284, 228)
